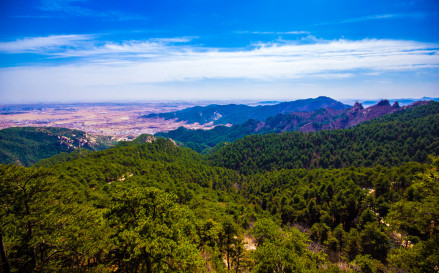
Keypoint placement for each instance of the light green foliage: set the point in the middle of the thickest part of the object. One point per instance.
(416, 218)
(156, 207)
(265, 230)
(152, 232)
(365, 264)
(282, 250)
(374, 241)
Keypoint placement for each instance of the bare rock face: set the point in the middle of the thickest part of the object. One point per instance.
(358, 106)
(325, 119)
(383, 103)
(381, 108)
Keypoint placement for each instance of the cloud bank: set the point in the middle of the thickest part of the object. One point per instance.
(374, 17)
(91, 63)
(44, 45)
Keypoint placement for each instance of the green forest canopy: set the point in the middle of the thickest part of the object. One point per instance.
(156, 207)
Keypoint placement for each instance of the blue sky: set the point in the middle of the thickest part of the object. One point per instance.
(93, 50)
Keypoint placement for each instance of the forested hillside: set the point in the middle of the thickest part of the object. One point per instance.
(150, 206)
(203, 140)
(408, 135)
(28, 145)
(157, 207)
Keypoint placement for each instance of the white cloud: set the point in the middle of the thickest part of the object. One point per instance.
(301, 32)
(159, 60)
(185, 39)
(86, 45)
(374, 17)
(44, 45)
(109, 65)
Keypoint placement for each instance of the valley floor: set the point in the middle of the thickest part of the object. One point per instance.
(119, 120)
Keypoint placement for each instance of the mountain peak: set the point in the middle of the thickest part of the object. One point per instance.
(358, 106)
(383, 103)
(236, 114)
(325, 97)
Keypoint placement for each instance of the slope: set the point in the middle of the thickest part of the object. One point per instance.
(28, 145)
(154, 205)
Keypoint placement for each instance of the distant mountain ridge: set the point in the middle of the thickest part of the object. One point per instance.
(321, 119)
(401, 101)
(236, 114)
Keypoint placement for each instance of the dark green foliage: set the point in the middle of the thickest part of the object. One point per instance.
(364, 263)
(62, 157)
(157, 207)
(131, 208)
(28, 145)
(201, 140)
(389, 141)
(45, 225)
(342, 216)
(374, 242)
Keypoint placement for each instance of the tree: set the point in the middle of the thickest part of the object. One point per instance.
(152, 232)
(367, 216)
(283, 251)
(338, 240)
(353, 246)
(43, 227)
(229, 242)
(365, 264)
(265, 230)
(22, 201)
(374, 242)
(208, 233)
(417, 217)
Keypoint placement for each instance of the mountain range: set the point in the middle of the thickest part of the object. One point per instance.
(321, 119)
(239, 113)
(401, 101)
(28, 145)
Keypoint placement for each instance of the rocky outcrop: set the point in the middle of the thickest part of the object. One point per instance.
(325, 119)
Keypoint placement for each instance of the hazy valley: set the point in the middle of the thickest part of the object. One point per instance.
(119, 120)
